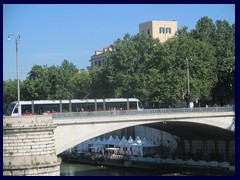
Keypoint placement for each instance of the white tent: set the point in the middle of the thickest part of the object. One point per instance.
(104, 141)
(146, 143)
(130, 140)
(97, 146)
(91, 141)
(98, 142)
(148, 147)
(131, 146)
(123, 141)
(110, 141)
(138, 140)
(137, 147)
(123, 144)
(116, 141)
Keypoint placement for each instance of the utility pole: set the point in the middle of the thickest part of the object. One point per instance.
(188, 80)
(18, 38)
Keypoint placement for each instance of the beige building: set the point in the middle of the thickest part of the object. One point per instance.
(99, 57)
(163, 30)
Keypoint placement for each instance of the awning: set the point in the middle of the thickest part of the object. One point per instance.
(112, 149)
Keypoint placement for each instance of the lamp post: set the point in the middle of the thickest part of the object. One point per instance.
(188, 81)
(18, 38)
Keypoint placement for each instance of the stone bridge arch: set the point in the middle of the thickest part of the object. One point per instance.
(72, 131)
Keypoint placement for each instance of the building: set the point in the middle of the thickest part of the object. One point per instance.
(163, 30)
(99, 57)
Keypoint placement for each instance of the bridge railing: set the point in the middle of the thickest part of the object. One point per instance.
(141, 112)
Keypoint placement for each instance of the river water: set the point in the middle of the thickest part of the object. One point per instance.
(77, 169)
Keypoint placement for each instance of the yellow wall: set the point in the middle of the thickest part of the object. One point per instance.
(154, 29)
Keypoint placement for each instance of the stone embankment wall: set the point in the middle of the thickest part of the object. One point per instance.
(208, 150)
(29, 147)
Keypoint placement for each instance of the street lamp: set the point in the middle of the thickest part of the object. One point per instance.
(188, 81)
(18, 38)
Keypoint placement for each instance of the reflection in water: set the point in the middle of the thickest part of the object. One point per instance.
(72, 169)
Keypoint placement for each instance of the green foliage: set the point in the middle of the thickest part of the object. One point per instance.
(9, 93)
(222, 36)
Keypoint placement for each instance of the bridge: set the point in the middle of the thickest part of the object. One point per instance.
(44, 137)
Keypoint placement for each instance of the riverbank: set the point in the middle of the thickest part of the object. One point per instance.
(161, 169)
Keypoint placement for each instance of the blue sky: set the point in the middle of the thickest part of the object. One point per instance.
(52, 33)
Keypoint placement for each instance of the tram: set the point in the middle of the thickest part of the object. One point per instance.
(44, 107)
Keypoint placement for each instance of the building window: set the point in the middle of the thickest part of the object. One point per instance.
(162, 30)
(148, 32)
(95, 63)
(168, 30)
(99, 63)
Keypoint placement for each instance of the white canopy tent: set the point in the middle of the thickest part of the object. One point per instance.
(146, 143)
(123, 144)
(117, 141)
(138, 140)
(148, 147)
(104, 141)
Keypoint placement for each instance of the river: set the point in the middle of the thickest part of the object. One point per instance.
(77, 169)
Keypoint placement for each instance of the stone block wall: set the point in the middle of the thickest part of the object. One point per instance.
(29, 149)
(208, 150)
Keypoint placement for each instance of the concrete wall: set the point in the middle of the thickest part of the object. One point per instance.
(28, 147)
(153, 28)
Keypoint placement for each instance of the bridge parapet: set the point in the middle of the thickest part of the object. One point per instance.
(27, 121)
(142, 112)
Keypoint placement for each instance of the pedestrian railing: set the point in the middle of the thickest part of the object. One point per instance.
(142, 112)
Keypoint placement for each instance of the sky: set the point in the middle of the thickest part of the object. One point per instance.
(51, 33)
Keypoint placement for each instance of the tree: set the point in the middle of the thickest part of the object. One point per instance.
(222, 36)
(9, 93)
(36, 86)
(128, 64)
(205, 30)
(50, 82)
(202, 67)
(80, 85)
(225, 54)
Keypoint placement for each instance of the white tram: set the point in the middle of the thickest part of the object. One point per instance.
(42, 107)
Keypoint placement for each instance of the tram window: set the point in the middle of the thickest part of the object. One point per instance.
(26, 109)
(65, 107)
(100, 106)
(112, 105)
(116, 105)
(90, 107)
(78, 107)
(132, 105)
(46, 108)
(10, 109)
(16, 110)
(123, 106)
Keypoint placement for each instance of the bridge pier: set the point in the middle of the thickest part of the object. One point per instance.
(29, 147)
